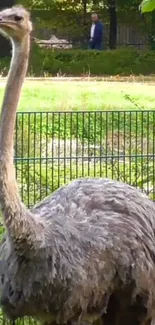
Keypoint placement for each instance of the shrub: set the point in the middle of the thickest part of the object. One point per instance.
(123, 61)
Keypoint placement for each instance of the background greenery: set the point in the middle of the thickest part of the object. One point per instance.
(71, 19)
(123, 61)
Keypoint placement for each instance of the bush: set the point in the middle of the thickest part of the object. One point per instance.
(123, 61)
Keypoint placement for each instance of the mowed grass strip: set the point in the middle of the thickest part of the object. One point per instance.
(85, 95)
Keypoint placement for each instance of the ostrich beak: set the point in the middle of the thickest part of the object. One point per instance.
(6, 23)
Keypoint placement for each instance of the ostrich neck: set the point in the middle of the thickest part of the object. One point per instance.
(15, 81)
(20, 224)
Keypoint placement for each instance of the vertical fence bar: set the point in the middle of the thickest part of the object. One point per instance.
(118, 144)
(64, 158)
(34, 158)
(77, 143)
(106, 134)
(153, 152)
(101, 144)
(88, 153)
(40, 161)
(83, 142)
(147, 152)
(46, 158)
(59, 125)
(124, 151)
(130, 158)
(71, 142)
(112, 144)
(142, 137)
(16, 144)
(94, 147)
(22, 156)
(28, 162)
(136, 151)
(52, 167)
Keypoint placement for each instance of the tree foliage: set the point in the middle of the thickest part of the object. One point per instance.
(73, 16)
(147, 6)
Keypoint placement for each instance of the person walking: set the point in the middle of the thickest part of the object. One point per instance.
(96, 33)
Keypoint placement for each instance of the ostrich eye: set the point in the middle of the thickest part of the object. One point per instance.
(18, 18)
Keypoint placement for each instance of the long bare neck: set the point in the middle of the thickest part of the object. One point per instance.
(21, 225)
(15, 81)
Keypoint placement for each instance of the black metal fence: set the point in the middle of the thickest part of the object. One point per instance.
(55, 147)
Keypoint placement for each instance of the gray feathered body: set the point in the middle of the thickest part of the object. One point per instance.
(99, 237)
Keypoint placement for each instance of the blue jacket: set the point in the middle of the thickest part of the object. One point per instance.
(98, 32)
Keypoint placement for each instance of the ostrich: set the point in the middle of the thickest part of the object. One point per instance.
(84, 254)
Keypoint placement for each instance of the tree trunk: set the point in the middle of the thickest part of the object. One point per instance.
(84, 11)
(4, 43)
(113, 24)
(152, 34)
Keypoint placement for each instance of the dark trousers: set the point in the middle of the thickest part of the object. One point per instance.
(95, 45)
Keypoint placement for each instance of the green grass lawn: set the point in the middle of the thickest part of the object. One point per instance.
(99, 95)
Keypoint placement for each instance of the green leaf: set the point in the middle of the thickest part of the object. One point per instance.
(147, 6)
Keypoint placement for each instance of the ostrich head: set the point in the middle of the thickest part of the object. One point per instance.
(15, 22)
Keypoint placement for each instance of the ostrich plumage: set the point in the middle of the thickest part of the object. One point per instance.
(84, 254)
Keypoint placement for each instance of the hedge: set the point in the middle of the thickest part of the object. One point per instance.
(123, 61)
